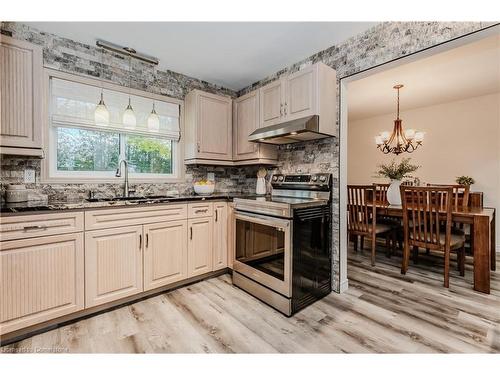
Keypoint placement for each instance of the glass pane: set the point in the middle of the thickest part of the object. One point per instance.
(261, 247)
(149, 155)
(87, 150)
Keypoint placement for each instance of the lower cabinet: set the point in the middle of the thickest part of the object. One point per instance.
(220, 240)
(113, 264)
(41, 279)
(200, 245)
(165, 253)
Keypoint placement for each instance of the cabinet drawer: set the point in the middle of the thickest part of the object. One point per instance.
(29, 226)
(119, 217)
(201, 209)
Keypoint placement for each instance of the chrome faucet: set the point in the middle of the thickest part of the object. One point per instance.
(126, 190)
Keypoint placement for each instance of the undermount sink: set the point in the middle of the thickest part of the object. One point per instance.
(140, 198)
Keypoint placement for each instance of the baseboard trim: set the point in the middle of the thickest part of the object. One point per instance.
(344, 285)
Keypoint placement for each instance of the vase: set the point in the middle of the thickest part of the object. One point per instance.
(393, 193)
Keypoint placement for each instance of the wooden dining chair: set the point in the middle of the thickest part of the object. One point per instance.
(430, 209)
(362, 217)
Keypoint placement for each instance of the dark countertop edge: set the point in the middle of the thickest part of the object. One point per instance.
(66, 206)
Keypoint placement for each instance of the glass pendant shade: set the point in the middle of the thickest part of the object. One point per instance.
(101, 113)
(128, 118)
(154, 120)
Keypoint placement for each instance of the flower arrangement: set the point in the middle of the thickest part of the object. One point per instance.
(397, 171)
(465, 180)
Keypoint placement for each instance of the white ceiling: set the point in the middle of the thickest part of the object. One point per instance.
(464, 72)
(231, 54)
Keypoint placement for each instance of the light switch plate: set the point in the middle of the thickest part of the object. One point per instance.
(211, 176)
(29, 176)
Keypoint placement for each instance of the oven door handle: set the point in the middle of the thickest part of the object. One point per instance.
(261, 219)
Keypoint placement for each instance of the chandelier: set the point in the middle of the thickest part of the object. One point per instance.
(399, 141)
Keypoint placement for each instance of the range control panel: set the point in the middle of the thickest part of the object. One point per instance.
(304, 180)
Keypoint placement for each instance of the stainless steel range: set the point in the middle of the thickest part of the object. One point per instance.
(282, 242)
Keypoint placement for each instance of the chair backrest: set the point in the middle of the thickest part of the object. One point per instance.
(361, 214)
(427, 208)
(380, 193)
(460, 198)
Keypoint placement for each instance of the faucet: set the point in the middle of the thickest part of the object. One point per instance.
(126, 190)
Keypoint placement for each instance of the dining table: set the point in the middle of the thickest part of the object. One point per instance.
(482, 224)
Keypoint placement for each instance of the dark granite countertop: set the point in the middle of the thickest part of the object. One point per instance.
(82, 204)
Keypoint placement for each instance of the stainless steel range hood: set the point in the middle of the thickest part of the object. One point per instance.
(299, 130)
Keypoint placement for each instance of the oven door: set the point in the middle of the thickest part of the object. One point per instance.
(263, 250)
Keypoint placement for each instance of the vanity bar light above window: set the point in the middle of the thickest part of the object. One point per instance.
(128, 51)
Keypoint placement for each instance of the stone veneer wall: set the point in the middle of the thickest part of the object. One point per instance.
(382, 43)
(69, 56)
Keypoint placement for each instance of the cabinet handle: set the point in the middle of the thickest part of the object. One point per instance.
(147, 240)
(140, 241)
(286, 106)
(190, 233)
(198, 146)
(216, 211)
(200, 211)
(281, 109)
(35, 227)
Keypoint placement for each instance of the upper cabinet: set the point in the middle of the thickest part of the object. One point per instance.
(21, 68)
(208, 130)
(310, 91)
(246, 117)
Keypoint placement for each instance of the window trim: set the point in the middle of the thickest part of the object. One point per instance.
(48, 171)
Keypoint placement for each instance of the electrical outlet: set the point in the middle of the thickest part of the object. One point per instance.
(211, 176)
(29, 176)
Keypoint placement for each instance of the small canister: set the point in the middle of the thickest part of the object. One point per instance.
(16, 193)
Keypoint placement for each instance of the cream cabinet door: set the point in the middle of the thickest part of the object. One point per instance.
(245, 121)
(220, 239)
(271, 103)
(21, 66)
(301, 93)
(165, 253)
(214, 130)
(41, 279)
(113, 264)
(200, 246)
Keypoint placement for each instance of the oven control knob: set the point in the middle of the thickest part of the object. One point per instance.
(322, 178)
(275, 178)
(314, 178)
(280, 178)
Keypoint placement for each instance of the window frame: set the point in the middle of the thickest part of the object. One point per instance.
(49, 172)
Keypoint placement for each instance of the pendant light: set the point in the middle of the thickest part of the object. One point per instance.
(129, 120)
(101, 113)
(153, 118)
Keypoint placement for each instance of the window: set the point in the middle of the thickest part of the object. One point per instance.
(81, 149)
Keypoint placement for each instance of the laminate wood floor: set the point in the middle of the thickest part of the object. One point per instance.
(382, 312)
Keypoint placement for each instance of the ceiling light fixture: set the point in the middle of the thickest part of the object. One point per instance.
(129, 120)
(399, 141)
(153, 118)
(101, 113)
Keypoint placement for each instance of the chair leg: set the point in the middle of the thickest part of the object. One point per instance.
(355, 240)
(387, 245)
(447, 268)
(461, 262)
(427, 251)
(374, 243)
(362, 243)
(415, 254)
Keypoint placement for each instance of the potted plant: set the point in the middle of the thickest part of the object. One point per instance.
(465, 180)
(396, 172)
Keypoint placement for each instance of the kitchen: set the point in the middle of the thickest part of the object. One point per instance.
(145, 210)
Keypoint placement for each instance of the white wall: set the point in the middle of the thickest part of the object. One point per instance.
(462, 138)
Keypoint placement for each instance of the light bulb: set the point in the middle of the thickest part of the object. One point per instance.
(101, 113)
(419, 136)
(385, 136)
(410, 134)
(378, 140)
(154, 120)
(129, 119)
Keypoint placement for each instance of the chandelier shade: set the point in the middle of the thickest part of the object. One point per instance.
(399, 141)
